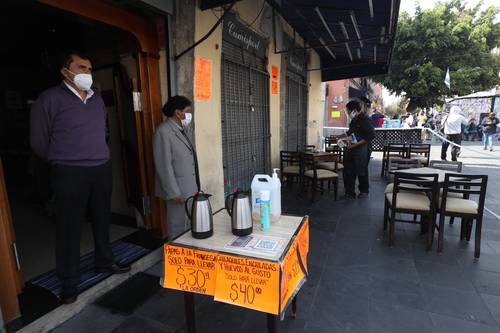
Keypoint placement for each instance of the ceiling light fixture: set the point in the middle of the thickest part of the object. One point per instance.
(344, 30)
(327, 48)
(358, 52)
(356, 28)
(374, 54)
(382, 34)
(370, 4)
(324, 23)
(348, 50)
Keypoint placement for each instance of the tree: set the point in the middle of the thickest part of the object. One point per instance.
(448, 35)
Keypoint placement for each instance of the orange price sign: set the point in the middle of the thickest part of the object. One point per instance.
(294, 265)
(190, 270)
(303, 240)
(249, 283)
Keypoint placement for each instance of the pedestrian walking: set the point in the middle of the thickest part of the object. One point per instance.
(489, 126)
(452, 127)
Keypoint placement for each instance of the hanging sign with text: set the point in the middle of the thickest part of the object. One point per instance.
(236, 32)
(190, 270)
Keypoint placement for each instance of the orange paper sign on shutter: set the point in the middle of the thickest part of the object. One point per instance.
(190, 270)
(274, 73)
(274, 88)
(203, 79)
(249, 283)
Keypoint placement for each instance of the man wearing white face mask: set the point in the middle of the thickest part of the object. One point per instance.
(68, 130)
(177, 176)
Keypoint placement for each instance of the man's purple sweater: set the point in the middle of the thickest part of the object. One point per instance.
(64, 130)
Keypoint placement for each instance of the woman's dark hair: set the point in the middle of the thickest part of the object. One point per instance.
(175, 103)
(353, 105)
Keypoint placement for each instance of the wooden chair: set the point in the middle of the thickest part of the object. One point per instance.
(421, 152)
(451, 166)
(464, 207)
(316, 177)
(336, 166)
(329, 144)
(412, 194)
(290, 166)
(392, 150)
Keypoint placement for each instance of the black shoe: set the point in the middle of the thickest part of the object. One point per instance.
(349, 196)
(362, 195)
(115, 269)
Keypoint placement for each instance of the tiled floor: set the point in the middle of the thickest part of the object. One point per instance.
(357, 283)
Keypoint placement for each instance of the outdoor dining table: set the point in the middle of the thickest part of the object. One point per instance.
(263, 271)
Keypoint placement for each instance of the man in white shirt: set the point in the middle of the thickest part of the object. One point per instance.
(452, 124)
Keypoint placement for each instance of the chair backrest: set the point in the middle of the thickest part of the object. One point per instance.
(420, 148)
(417, 183)
(400, 148)
(402, 163)
(446, 165)
(309, 147)
(308, 161)
(466, 185)
(289, 158)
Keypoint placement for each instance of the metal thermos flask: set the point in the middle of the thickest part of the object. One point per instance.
(202, 224)
(238, 207)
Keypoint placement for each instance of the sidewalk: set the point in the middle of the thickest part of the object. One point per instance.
(357, 283)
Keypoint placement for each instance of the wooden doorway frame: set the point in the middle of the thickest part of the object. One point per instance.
(146, 33)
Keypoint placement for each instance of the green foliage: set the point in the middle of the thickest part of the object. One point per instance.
(448, 35)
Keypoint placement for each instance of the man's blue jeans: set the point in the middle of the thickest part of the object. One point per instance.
(488, 140)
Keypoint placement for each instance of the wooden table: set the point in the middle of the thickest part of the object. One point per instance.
(266, 281)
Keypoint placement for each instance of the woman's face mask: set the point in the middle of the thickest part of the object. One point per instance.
(353, 114)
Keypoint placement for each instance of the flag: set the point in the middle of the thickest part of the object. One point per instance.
(447, 78)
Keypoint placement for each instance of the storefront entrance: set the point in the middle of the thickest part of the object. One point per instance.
(245, 106)
(35, 36)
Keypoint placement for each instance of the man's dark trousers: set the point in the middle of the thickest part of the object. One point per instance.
(455, 151)
(80, 192)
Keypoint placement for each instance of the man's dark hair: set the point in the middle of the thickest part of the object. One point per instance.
(175, 103)
(353, 105)
(67, 58)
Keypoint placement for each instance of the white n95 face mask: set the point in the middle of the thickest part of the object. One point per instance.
(82, 81)
(185, 122)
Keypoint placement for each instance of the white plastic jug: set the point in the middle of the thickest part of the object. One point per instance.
(275, 196)
(259, 183)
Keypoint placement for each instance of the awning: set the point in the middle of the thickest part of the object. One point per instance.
(353, 38)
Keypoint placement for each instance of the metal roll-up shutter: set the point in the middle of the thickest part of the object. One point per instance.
(295, 112)
(245, 117)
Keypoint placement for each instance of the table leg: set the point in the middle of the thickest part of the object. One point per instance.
(189, 310)
(294, 307)
(271, 323)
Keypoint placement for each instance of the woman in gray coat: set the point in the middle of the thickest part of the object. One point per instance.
(177, 176)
